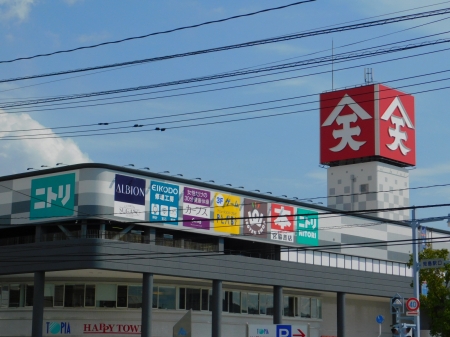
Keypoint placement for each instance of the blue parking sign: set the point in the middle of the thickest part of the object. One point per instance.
(284, 330)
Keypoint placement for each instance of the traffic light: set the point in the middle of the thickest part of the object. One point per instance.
(397, 328)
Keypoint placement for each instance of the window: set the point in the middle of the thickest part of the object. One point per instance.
(364, 188)
(244, 304)
(167, 297)
(235, 302)
(105, 296)
(74, 295)
(192, 299)
(122, 296)
(225, 301)
(14, 296)
(305, 307)
(269, 304)
(182, 298)
(252, 302)
(135, 297)
(5, 296)
(262, 304)
(59, 296)
(89, 299)
(205, 299)
(29, 293)
(49, 293)
(314, 308)
(289, 305)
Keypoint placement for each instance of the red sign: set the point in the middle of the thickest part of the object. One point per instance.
(299, 334)
(367, 121)
(412, 304)
(282, 218)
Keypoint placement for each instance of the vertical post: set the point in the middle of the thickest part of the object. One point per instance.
(147, 304)
(414, 226)
(38, 304)
(277, 304)
(216, 326)
(340, 314)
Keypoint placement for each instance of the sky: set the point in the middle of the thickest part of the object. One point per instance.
(275, 154)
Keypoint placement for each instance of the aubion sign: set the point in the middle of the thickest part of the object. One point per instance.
(368, 121)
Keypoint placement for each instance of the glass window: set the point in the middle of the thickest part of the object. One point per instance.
(192, 299)
(14, 296)
(122, 296)
(319, 308)
(106, 295)
(49, 292)
(5, 296)
(59, 296)
(205, 299)
(155, 297)
(235, 302)
(252, 301)
(305, 307)
(182, 298)
(89, 299)
(135, 297)
(289, 306)
(269, 304)
(29, 293)
(74, 295)
(314, 308)
(167, 297)
(225, 301)
(262, 304)
(244, 302)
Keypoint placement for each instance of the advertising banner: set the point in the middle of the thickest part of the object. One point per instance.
(227, 211)
(88, 327)
(129, 197)
(307, 227)
(52, 196)
(255, 217)
(164, 200)
(282, 223)
(196, 208)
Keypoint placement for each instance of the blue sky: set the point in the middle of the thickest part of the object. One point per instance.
(278, 154)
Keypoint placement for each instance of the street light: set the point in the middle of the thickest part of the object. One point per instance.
(415, 224)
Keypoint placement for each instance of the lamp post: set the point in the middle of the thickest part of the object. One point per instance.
(415, 223)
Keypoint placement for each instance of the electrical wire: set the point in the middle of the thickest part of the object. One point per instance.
(243, 45)
(160, 32)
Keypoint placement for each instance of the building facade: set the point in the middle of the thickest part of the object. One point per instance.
(99, 249)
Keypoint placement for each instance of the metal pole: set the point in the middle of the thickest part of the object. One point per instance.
(277, 305)
(38, 304)
(147, 304)
(216, 326)
(340, 314)
(414, 227)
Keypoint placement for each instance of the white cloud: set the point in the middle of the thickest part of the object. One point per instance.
(430, 172)
(18, 155)
(91, 38)
(15, 9)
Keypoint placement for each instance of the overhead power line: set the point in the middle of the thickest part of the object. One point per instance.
(347, 56)
(159, 33)
(245, 44)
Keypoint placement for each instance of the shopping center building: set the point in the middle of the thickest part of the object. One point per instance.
(93, 249)
(101, 249)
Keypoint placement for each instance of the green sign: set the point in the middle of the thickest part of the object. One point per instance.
(52, 196)
(307, 227)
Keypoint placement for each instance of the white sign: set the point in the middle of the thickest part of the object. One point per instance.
(432, 263)
(277, 330)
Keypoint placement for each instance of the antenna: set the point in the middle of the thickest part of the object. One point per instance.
(332, 65)
(368, 75)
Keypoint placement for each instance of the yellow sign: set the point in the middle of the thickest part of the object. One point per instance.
(227, 211)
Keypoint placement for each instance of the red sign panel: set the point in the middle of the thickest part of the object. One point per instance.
(367, 121)
(282, 218)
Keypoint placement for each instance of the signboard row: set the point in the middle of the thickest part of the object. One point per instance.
(185, 206)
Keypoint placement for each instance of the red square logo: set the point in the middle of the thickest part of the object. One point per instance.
(397, 136)
(367, 121)
(282, 218)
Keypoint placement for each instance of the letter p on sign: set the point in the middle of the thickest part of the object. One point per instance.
(284, 331)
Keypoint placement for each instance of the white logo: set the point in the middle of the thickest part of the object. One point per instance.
(53, 196)
(346, 133)
(282, 219)
(396, 133)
